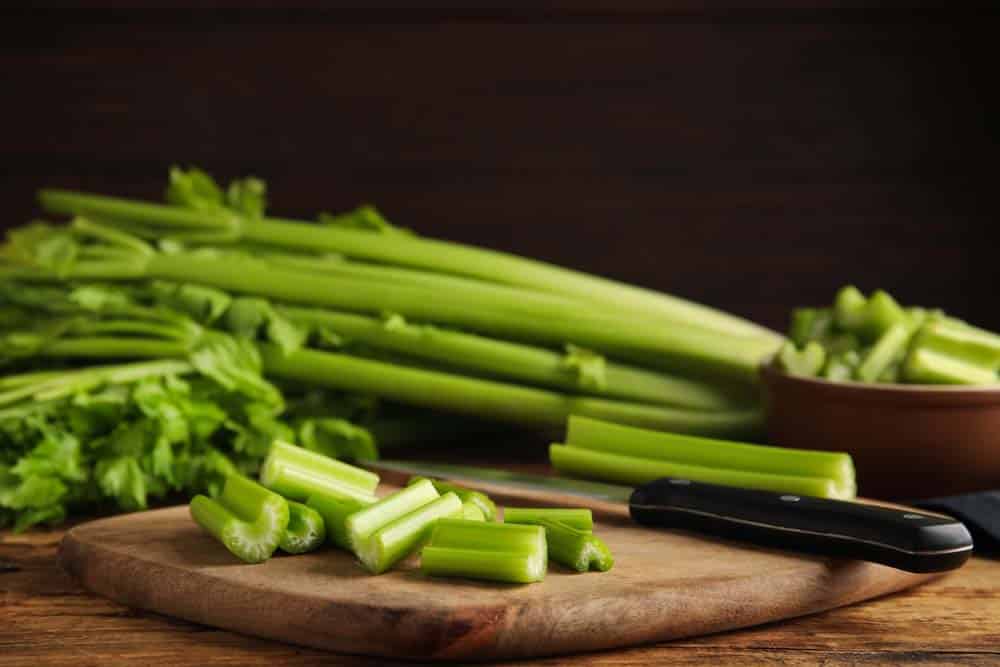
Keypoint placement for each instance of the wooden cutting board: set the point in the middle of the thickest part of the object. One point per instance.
(664, 585)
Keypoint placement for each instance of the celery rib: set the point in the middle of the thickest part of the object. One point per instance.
(249, 520)
(592, 464)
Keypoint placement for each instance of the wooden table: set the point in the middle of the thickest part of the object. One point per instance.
(46, 618)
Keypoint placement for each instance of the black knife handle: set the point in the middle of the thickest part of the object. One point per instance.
(906, 539)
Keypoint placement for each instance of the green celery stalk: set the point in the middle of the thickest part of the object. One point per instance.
(578, 518)
(960, 341)
(575, 548)
(890, 347)
(839, 368)
(516, 361)
(809, 324)
(929, 366)
(478, 498)
(395, 540)
(680, 346)
(335, 512)
(507, 552)
(472, 512)
(363, 523)
(881, 313)
(849, 308)
(602, 436)
(632, 470)
(438, 256)
(298, 473)
(806, 362)
(306, 529)
(488, 398)
(248, 519)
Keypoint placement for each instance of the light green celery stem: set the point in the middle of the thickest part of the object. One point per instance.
(517, 361)
(435, 255)
(394, 541)
(503, 566)
(99, 347)
(335, 512)
(487, 506)
(575, 548)
(849, 308)
(487, 536)
(806, 362)
(883, 353)
(298, 473)
(684, 347)
(677, 346)
(455, 393)
(927, 366)
(592, 464)
(306, 529)
(483, 550)
(247, 518)
(472, 512)
(363, 523)
(578, 518)
(643, 443)
(487, 398)
(881, 312)
(963, 342)
(69, 382)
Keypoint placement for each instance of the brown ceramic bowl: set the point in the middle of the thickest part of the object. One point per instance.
(907, 441)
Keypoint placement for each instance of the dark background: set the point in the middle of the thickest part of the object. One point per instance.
(751, 159)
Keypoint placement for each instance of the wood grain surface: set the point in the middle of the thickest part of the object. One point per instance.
(665, 585)
(47, 618)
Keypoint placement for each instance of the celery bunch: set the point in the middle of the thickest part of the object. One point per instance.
(264, 314)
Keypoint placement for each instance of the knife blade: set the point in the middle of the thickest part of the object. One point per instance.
(898, 536)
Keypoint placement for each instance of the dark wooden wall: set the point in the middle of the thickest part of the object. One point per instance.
(753, 160)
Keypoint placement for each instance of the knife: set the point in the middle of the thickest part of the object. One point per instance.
(898, 536)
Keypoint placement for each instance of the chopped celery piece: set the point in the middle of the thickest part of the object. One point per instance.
(888, 349)
(579, 518)
(489, 536)
(485, 550)
(633, 470)
(335, 512)
(472, 512)
(395, 540)
(298, 473)
(499, 401)
(931, 367)
(366, 521)
(840, 344)
(849, 308)
(840, 367)
(880, 314)
(306, 529)
(602, 436)
(575, 548)
(809, 324)
(247, 518)
(489, 509)
(806, 362)
(960, 341)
